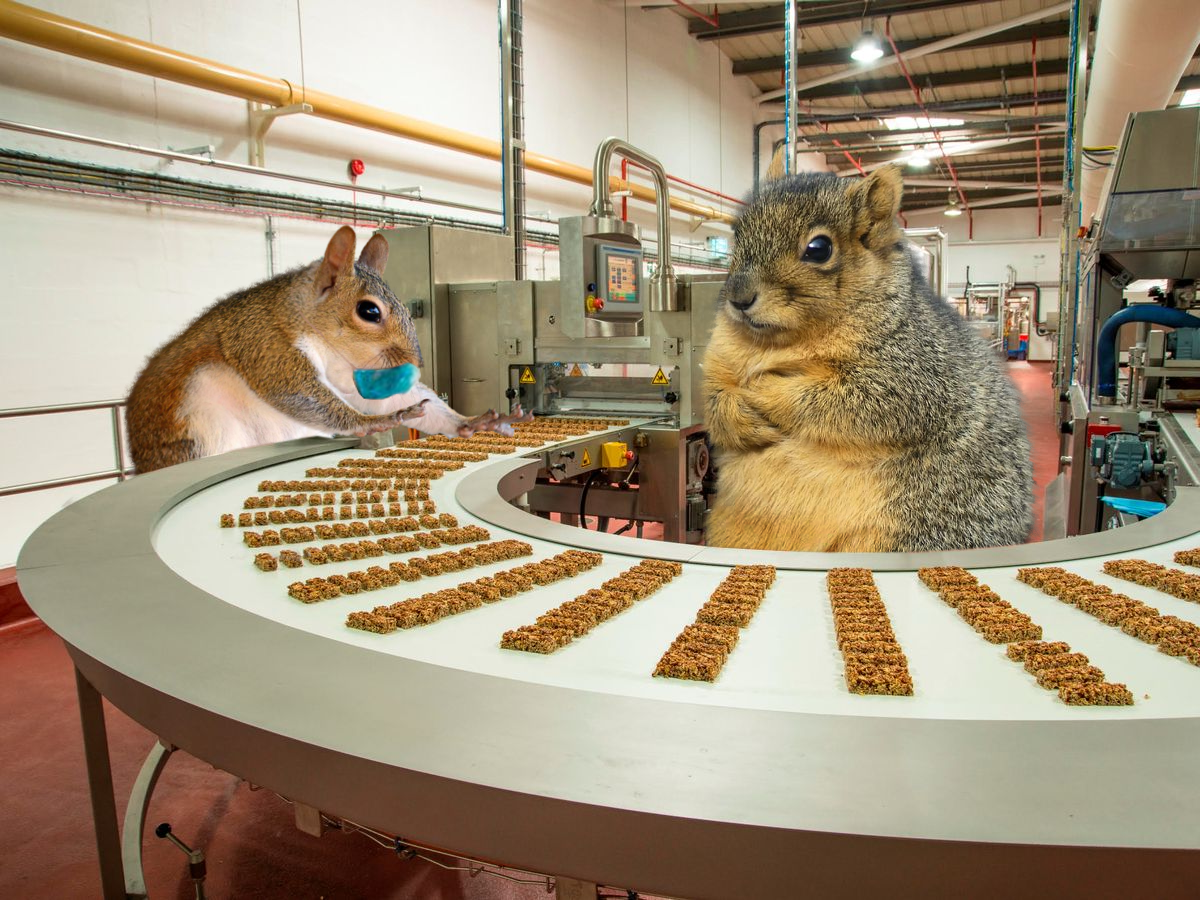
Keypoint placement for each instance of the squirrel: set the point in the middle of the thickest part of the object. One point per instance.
(850, 408)
(276, 361)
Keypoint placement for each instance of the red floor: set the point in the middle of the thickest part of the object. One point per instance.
(253, 849)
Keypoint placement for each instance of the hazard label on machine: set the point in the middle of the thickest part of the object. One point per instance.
(587, 458)
(660, 378)
(527, 376)
(576, 372)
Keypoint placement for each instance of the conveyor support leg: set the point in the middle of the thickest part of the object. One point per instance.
(135, 819)
(99, 770)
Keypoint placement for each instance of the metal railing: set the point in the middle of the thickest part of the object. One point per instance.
(119, 472)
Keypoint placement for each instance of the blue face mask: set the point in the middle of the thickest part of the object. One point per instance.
(376, 384)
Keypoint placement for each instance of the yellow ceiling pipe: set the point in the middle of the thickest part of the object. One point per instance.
(34, 26)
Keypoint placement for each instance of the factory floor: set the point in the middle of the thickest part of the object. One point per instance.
(251, 844)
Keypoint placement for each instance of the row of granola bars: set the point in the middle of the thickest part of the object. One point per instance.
(1055, 667)
(575, 618)
(979, 606)
(1175, 582)
(1173, 635)
(699, 652)
(873, 661)
(325, 532)
(431, 607)
(331, 498)
(355, 550)
(376, 577)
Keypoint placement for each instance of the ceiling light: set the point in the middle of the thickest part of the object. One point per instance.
(868, 48)
(1191, 97)
(918, 160)
(952, 208)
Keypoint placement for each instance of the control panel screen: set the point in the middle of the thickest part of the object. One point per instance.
(620, 276)
(622, 279)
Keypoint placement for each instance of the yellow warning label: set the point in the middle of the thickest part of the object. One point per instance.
(659, 377)
(587, 458)
(527, 376)
(576, 372)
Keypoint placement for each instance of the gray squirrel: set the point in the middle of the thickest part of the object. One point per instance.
(850, 408)
(276, 361)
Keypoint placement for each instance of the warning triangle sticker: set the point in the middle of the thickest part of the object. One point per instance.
(659, 377)
(576, 372)
(527, 376)
(587, 458)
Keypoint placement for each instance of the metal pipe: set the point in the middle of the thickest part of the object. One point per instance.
(757, 141)
(118, 442)
(22, 411)
(789, 87)
(662, 295)
(43, 29)
(176, 156)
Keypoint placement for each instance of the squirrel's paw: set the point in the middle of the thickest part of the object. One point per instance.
(493, 421)
(410, 412)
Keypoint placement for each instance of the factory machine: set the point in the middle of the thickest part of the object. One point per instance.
(605, 340)
(1130, 408)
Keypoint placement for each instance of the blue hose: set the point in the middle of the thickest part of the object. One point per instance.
(1106, 350)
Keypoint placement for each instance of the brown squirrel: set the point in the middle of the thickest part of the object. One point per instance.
(851, 409)
(277, 360)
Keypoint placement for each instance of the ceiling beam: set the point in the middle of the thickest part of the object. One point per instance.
(990, 75)
(836, 57)
(768, 19)
(830, 115)
(930, 48)
(966, 131)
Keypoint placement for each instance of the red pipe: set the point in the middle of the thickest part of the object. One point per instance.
(693, 186)
(713, 20)
(887, 31)
(1037, 140)
(825, 128)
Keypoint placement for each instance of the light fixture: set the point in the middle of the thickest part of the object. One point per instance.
(917, 159)
(868, 48)
(1191, 97)
(952, 207)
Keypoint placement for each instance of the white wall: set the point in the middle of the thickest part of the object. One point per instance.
(90, 286)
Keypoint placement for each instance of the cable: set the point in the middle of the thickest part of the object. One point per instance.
(583, 499)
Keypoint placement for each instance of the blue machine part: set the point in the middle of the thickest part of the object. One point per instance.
(1106, 346)
(1143, 509)
(1122, 459)
(376, 384)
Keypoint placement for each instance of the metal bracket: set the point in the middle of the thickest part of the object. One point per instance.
(261, 118)
(135, 818)
(672, 346)
(512, 346)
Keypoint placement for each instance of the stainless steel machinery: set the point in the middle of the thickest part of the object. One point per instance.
(1132, 392)
(607, 339)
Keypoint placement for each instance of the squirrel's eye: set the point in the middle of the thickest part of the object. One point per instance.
(369, 311)
(819, 250)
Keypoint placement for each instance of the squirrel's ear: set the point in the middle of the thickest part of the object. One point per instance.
(339, 258)
(878, 196)
(375, 254)
(880, 192)
(775, 169)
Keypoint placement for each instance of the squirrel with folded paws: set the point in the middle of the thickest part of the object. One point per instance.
(850, 408)
(277, 361)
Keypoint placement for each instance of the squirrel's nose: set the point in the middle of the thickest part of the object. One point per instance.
(743, 303)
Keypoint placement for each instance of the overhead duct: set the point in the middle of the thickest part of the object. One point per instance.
(1141, 53)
